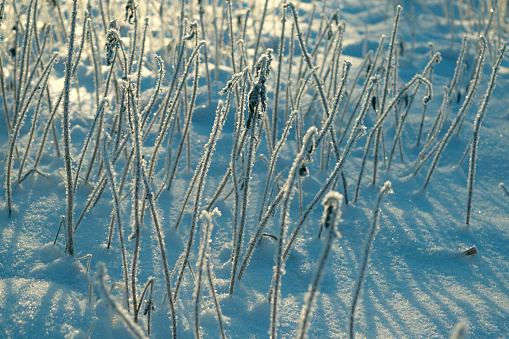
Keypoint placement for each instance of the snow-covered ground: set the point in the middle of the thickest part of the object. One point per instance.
(419, 282)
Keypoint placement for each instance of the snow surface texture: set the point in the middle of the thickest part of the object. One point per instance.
(123, 248)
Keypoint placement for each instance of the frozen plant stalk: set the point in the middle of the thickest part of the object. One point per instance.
(365, 255)
(301, 160)
(257, 106)
(160, 240)
(18, 124)
(117, 210)
(69, 248)
(477, 125)
(133, 328)
(332, 203)
(201, 265)
(201, 174)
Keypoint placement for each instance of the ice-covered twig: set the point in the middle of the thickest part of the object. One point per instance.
(201, 265)
(332, 204)
(133, 328)
(366, 248)
(477, 125)
(306, 150)
(67, 132)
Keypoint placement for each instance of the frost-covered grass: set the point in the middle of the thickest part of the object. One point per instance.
(182, 149)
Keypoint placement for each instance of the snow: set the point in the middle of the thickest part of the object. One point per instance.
(418, 283)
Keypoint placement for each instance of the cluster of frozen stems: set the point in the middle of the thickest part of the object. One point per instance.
(127, 123)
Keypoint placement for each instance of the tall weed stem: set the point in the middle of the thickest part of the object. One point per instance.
(365, 256)
(477, 125)
(300, 160)
(331, 215)
(67, 132)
